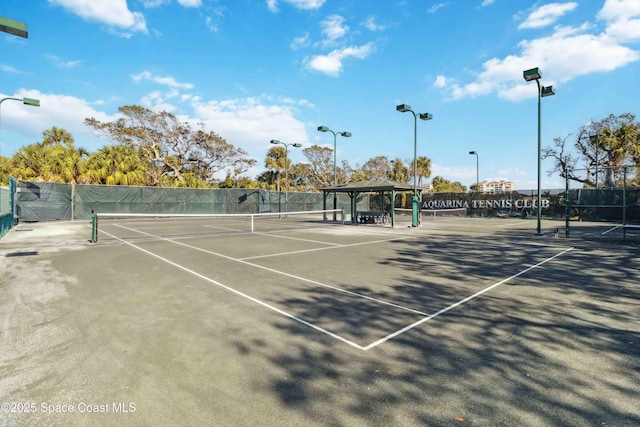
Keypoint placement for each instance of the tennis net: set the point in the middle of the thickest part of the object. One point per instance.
(132, 226)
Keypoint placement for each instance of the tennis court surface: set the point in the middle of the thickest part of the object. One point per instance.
(462, 321)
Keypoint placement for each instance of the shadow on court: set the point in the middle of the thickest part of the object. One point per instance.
(559, 347)
(552, 337)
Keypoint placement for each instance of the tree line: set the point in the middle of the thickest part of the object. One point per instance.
(155, 149)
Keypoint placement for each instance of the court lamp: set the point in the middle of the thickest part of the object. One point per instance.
(529, 75)
(26, 101)
(595, 139)
(286, 170)
(475, 153)
(335, 179)
(415, 207)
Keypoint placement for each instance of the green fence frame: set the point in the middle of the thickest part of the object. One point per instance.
(620, 203)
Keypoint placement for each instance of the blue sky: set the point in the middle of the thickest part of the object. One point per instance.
(256, 70)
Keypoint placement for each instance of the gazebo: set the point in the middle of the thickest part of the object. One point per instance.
(353, 189)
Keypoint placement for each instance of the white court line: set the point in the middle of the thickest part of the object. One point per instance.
(224, 228)
(293, 276)
(298, 238)
(459, 303)
(243, 295)
(611, 229)
(337, 245)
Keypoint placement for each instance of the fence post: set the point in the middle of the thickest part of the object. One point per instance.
(566, 203)
(624, 195)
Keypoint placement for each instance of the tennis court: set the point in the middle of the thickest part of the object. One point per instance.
(462, 321)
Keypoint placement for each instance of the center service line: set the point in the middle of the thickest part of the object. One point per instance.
(459, 303)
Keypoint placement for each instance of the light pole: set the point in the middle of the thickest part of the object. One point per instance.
(335, 179)
(477, 172)
(26, 101)
(286, 171)
(415, 208)
(595, 140)
(534, 74)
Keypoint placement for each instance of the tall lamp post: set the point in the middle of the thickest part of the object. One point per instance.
(529, 75)
(26, 101)
(335, 179)
(286, 170)
(475, 153)
(415, 208)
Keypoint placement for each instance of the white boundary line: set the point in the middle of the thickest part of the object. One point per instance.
(462, 301)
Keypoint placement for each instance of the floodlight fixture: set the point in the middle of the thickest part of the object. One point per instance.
(547, 91)
(16, 28)
(532, 74)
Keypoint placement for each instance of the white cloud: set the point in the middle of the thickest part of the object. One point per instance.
(62, 111)
(441, 81)
(333, 28)
(114, 13)
(435, 7)
(250, 123)
(167, 81)
(8, 68)
(487, 3)
(567, 53)
(618, 9)
(623, 18)
(190, 3)
(547, 14)
(625, 29)
(272, 5)
(299, 42)
(371, 25)
(331, 64)
(58, 62)
(155, 3)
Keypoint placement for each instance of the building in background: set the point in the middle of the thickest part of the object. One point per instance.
(496, 187)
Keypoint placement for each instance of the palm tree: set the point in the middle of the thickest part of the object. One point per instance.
(399, 171)
(277, 161)
(423, 166)
(118, 165)
(58, 137)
